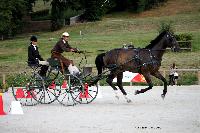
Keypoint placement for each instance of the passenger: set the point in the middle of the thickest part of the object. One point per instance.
(34, 56)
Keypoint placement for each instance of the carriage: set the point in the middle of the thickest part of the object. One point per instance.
(31, 89)
(145, 61)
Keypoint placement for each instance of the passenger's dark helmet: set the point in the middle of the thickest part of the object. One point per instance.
(33, 38)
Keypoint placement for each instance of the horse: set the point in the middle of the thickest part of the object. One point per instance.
(145, 61)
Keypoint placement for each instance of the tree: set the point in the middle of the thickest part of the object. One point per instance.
(94, 9)
(29, 5)
(11, 12)
(5, 14)
(57, 10)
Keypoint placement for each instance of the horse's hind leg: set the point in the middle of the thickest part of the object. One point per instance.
(148, 79)
(119, 84)
(109, 80)
(159, 76)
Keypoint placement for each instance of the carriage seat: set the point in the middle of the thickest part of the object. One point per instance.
(53, 62)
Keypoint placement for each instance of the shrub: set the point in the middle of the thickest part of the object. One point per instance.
(184, 37)
(3, 87)
(188, 78)
(166, 26)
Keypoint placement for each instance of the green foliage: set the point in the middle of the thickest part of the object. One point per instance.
(75, 4)
(4, 87)
(11, 12)
(94, 10)
(185, 78)
(1, 84)
(57, 14)
(188, 78)
(107, 34)
(29, 5)
(166, 26)
(140, 6)
(10, 78)
(186, 38)
(5, 16)
(19, 79)
(121, 5)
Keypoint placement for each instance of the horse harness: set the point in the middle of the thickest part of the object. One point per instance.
(137, 59)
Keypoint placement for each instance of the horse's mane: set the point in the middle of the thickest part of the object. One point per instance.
(156, 40)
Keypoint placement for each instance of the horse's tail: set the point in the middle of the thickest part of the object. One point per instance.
(99, 63)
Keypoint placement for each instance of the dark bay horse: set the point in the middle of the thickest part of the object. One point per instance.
(145, 61)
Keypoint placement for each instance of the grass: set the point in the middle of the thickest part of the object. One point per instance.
(113, 31)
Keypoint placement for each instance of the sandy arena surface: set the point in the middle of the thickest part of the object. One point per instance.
(179, 112)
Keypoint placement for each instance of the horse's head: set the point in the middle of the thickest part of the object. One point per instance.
(171, 42)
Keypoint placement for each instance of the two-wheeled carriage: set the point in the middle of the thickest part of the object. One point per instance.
(30, 88)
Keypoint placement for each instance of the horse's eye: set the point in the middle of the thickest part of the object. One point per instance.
(167, 35)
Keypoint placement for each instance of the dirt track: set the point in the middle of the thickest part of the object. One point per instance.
(179, 112)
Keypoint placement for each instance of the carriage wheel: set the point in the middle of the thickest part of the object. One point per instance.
(42, 93)
(21, 91)
(85, 94)
(66, 88)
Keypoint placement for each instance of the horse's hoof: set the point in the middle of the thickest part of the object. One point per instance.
(163, 96)
(117, 97)
(129, 101)
(136, 92)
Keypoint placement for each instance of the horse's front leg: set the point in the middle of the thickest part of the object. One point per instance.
(159, 76)
(148, 79)
(119, 84)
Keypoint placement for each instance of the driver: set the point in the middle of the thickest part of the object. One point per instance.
(63, 46)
